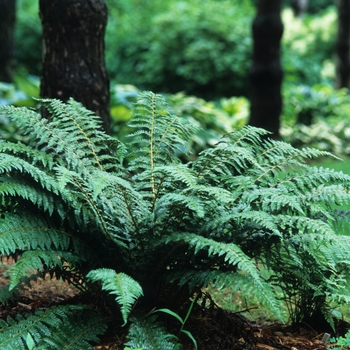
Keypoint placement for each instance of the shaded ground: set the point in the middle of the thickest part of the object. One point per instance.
(213, 328)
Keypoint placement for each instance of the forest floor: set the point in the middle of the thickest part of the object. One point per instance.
(212, 327)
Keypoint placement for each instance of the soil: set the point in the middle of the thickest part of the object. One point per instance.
(212, 327)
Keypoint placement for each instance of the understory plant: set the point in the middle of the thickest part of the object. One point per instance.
(340, 342)
(137, 230)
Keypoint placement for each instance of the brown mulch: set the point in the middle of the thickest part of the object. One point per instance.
(213, 328)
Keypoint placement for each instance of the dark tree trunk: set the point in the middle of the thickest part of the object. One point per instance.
(299, 7)
(7, 24)
(73, 53)
(266, 72)
(343, 45)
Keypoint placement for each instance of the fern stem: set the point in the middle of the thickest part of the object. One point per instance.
(87, 140)
(95, 209)
(276, 166)
(129, 209)
(153, 116)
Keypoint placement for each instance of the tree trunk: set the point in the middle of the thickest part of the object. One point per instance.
(343, 45)
(266, 72)
(7, 24)
(73, 53)
(299, 7)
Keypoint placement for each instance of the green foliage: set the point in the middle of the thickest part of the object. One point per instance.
(80, 205)
(202, 48)
(341, 342)
(191, 46)
(317, 116)
(308, 47)
(213, 118)
(183, 321)
(30, 342)
(123, 286)
(28, 37)
(149, 334)
(62, 327)
(21, 92)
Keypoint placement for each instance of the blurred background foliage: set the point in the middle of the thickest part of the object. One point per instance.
(198, 53)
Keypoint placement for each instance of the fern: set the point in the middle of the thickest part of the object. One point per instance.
(63, 327)
(232, 258)
(39, 259)
(149, 334)
(123, 286)
(248, 214)
(8, 296)
(157, 141)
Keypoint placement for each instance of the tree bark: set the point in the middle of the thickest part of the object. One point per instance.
(73, 53)
(7, 24)
(299, 7)
(266, 73)
(343, 45)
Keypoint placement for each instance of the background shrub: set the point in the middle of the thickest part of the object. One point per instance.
(308, 47)
(317, 116)
(200, 47)
(28, 37)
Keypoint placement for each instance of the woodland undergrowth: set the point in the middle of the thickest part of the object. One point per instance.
(145, 229)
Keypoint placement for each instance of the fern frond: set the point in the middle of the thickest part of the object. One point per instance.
(9, 163)
(73, 133)
(171, 200)
(112, 207)
(150, 334)
(260, 219)
(332, 250)
(336, 194)
(22, 231)
(244, 285)
(276, 156)
(247, 136)
(80, 331)
(27, 232)
(309, 179)
(120, 202)
(38, 260)
(8, 295)
(234, 257)
(30, 154)
(305, 225)
(126, 289)
(179, 174)
(224, 160)
(16, 189)
(159, 137)
(232, 253)
(84, 129)
(63, 327)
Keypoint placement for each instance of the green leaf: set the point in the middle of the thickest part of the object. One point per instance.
(189, 334)
(126, 289)
(172, 313)
(30, 342)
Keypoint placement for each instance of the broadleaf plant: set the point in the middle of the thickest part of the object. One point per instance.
(249, 214)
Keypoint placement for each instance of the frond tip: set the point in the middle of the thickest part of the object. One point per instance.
(126, 289)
